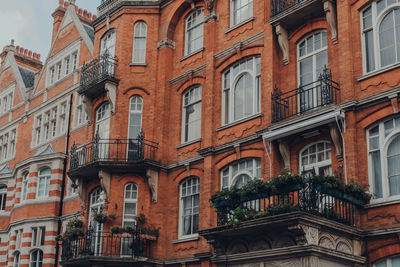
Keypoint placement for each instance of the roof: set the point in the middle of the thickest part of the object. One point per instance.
(28, 77)
(90, 31)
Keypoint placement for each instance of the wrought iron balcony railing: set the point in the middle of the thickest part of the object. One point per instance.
(97, 70)
(278, 6)
(113, 151)
(95, 244)
(322, 92)
(309, 197)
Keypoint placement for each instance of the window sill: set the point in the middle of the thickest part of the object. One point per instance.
(189, 143)
(383, 202)
(138, 64)
(239, 121)
(239, 25)
(191, 54)
(186, 239)
(376, 72)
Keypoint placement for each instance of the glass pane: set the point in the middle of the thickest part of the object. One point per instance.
(369, 47)
(367, 18)
(376, 172)
(388, 125)
(396, 262)
(381, 264)
(130, 209)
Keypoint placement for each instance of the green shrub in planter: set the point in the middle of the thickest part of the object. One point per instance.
(100, 217)
(117, 230)
(287, 181)
(255, 189)
(357, 191)
(226, 199)
(328, 182)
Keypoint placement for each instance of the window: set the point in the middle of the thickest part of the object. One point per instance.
(241, 10)
(135, 126)
(7, 145)
(24, 190)
(191, 115)
(312, 58)
(389, 262)
(96, 205)
(380, 34)
(18, 238)
(50, 124)
(241, 90)
(36, 258)
(130, 205)
(59, 67)
(38, 236)
(194, 31)
(52, 74)
(139, 42)
(81, 116)
(384, 156)
(316, 158)
(66, 64)
(240, 172)
(16, 259)
(189, 207)
(3, 197)
(6, 101)
(74, 60)
(44, 183)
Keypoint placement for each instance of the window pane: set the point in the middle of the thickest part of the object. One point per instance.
(369, 47)
(376, 172)
(381, 264)
(396, 262)
(367, 18)
(386, 40)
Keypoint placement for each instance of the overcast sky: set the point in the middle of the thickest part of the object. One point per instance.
(29, 22)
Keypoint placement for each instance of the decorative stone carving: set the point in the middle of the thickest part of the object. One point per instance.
(81, 184)
(152, 180)
(238, 247)
(330, 13)
(259, 244)
(344, 247)
(166, 43)
(191, 3)
(87, 105)
(395, 103)
(327, 242)
(283, 41)
(284, 263)
(105, 182)
(210, 4)
(311, 261)
(285, 153)
(337, 140)
(111, 90)
(311, 234)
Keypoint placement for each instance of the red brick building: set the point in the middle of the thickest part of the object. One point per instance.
(154, 106)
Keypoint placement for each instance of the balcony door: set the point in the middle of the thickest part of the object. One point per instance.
(95, 228)
(107, 50)
(134, 127)
(312, 59)
(102, 131)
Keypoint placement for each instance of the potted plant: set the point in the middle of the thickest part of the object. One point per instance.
(117, 230)
(287, 182)
(356, 193)
(141, 218)
(100, 217)
(329, 184)
(255, 189)
(149, 233)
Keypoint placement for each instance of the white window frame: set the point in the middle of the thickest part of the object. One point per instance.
(199, 23)
(384, 142)
(8, 141)
(228, 171)
(3, 198)
(39, 258)
(318, 164)
(229, 82)
(47, 179)
(25, 183)
(234, 13)
(376, 22)
(7, 99)
(17, 258)
(192, 101)
(387, 261)
(38, 236)
(130, 200)
(138, 36)
(81, 117)
(135, 110)
(194, 233)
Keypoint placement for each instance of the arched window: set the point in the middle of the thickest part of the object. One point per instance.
(44, 183)
(381, 31)
(384, 158)
(240, 172)
(316, 158)
(139, 42)
(130, 205)
(107, 50)
(16, 259)
(103, 129)
(189, 207)
(241, 90)
(191, 114)
(134, 126)
(312, 58)
(36, 258)
(388, 262)
(194, 31)
(241, 10)
(96, 205)
(24, 190)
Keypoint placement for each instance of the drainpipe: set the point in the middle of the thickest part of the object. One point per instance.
(64, 177)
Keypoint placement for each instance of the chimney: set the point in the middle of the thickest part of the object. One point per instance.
(5, 51)
(58, 16)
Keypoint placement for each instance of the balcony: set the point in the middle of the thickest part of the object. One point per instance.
(307, 98)
(117, 155)
(107, 249)
(96, 74)
(292, 13)
(299, 221)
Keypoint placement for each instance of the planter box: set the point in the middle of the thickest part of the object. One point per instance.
(329, 191)
(288, 189)
(353, 200)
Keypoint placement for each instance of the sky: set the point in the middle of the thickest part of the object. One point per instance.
(30, 24)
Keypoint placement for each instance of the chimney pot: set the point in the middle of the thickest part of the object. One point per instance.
(30, 53)
(94, 17)
(80, 12)
(85, 13)
(65, 4)
(26, 52)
